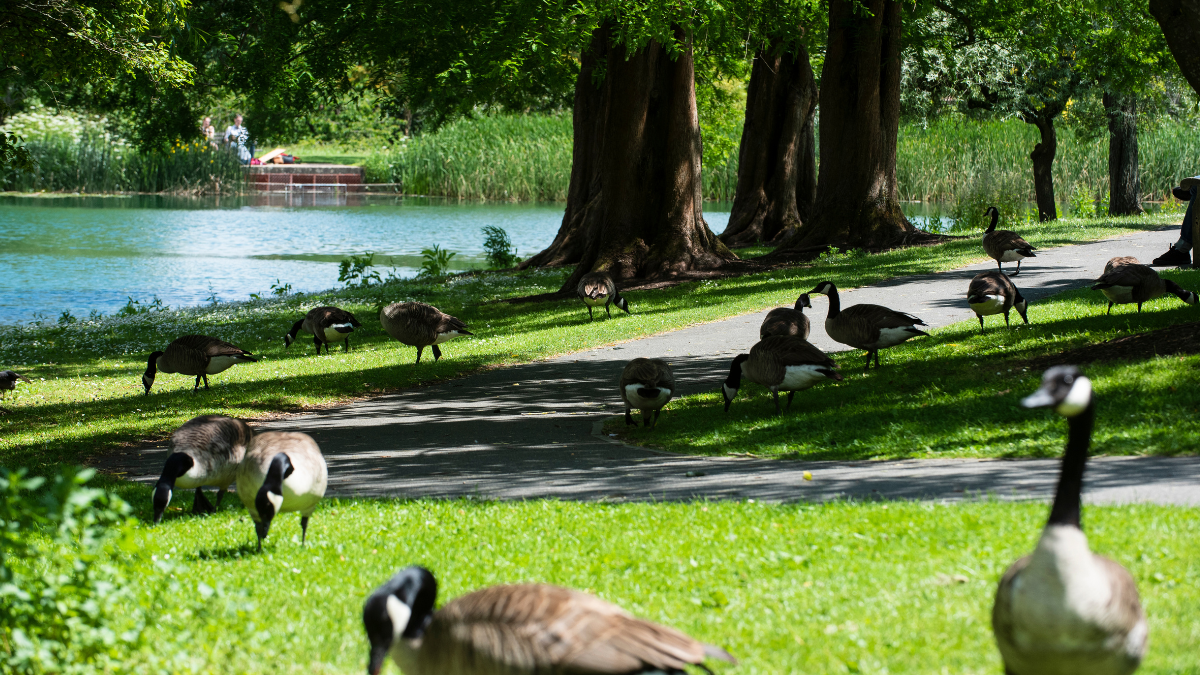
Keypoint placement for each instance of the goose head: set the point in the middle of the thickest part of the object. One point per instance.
(802, 302)
(729, 388)
(177, 464)
(1022, 307)
(151, 371)
(270, 496)
(993, 213)
(823, 288)
(401, 607)
(1065, 389)
(622, 303)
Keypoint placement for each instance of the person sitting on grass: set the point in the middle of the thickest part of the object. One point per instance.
(1179, 254)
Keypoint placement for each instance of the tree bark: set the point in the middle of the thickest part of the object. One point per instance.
(1043, 163)
(776, 182)
(1124, 187)
(857, 204)
(635, 201)
(1180, 22)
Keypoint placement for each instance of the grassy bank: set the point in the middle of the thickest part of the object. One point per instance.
(87, 395)
(868, 588)
(956, 394)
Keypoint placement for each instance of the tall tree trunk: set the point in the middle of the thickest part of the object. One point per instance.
(1043, 163)
(1180, 22)
(776, 166)
(635, 200)
(1124, 188)
(857, 203)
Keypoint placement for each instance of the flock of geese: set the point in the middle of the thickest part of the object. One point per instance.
(1061, 609)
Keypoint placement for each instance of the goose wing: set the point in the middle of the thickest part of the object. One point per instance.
(324, 317)
(652, 372)
(210, 347)
(790, 350)
(990, 283)
(1007, 240)
(541, 628)
(595, 285)
(784, 321)
(1002, 615)
(1116, 262)
(879, 316)
(1125, 275)
(1125, 606)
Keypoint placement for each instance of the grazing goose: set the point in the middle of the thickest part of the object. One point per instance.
(197, 355)
(869, 327)
(1116, 262)
(597, 288)
(994, 293)
(1005, 245)
(1063, 609)
(206, 450)
(419, 325)
(283, 471)
(646, 384)
(8, 382)
(1128, 283)
(787, 320)
(517, 630)
(779, 363)
(327, 324)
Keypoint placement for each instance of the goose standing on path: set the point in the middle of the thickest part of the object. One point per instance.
(1005, 245)
(419, 325)
(994, 293)
(1127, 283)
(646, 384)
(597, 288)
(869, 327)
(197, 355)
(8, 382)
(780, 363)
(282, 471)
(787, 320)
(523, 629)
(206, 450)
(1063, 609)
(1116, 262)
(327, 324)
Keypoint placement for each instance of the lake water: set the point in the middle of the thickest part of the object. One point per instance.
(86, 254)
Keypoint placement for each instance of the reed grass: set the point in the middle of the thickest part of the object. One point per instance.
(95, 163)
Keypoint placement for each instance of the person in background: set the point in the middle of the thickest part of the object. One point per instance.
(237, 138)
(1179, 255)
(209, 132)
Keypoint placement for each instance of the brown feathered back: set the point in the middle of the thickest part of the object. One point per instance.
(596, 285)
(785, 321)
(417, 324)
(993, 283)
(1142, 279)
(320, 318)
(538, 628)
(190, 354)
(1118, 261)
(997, 242)
(770, 357)
(651, 373)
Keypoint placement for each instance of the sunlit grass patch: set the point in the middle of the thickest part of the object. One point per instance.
(880, 587)
(956, 394)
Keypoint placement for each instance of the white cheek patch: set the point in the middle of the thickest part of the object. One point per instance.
(730, 392)
(276, 500)
(399, 613)
(1077, 399)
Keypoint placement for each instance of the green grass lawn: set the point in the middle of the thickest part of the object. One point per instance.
(870, 588)
(87, 395)
(956, 394)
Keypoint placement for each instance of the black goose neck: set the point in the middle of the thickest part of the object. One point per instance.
(1067, 507)
(835, 303)
(734, 381)
(995, 219)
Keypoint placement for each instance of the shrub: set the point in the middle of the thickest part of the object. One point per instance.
(437, 262)
(355, 271)
(63, 574)
(498, 248)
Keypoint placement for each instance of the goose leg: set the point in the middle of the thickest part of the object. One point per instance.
(1006, 323)
(791, 395)
(655, 425)
(775, 395)
(868, 359)
(876, 358)
(590, 317)
(197, 387)
(1000, 267)
(205, 376)
(347, 343)
(437, 353)
(980, 322)
(317, 343)
(419, 350)
(607, 310)
(1139, 308)
(1018, 269)
(303, 529)
(1110, 304)
(220, 495)
(201, 504)
(629, 417)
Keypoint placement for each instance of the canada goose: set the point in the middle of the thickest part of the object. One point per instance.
(1125, 284)
(779, 363)
(869, 327)
(197, 355)
(327, 324)
(1063, 609)
(517, 630)
(419, 325)
(992, 293)
(1116, 262)
(597, 288)
(206, 450)
(8, 382)
(787, 320)
(646, 384)
(282, 471)
(1005, 245)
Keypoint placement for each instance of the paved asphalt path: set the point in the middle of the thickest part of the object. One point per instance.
(532, 431)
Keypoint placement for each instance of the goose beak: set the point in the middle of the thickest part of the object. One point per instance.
(378, 656)
(1042, 398)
